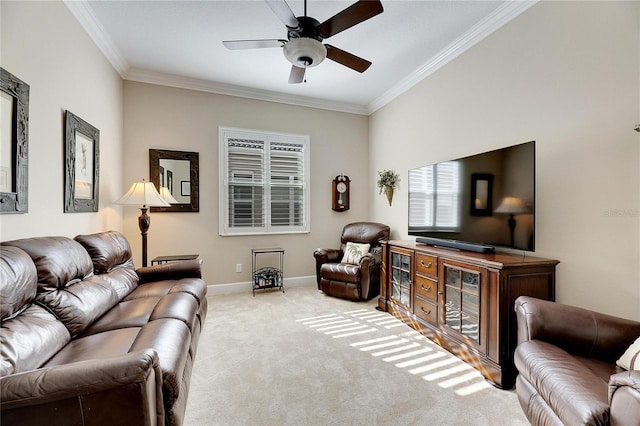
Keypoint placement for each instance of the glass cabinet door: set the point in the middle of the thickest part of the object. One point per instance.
(401, 278)
(462, 301)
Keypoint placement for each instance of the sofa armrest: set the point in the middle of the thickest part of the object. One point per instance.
(624, 398)
(171, 271)
(576, 330)
(327, 255)
(323, 256)
(119, 390)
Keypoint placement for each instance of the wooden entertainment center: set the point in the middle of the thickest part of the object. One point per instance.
(464, 301)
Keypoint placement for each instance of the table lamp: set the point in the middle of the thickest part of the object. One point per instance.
(511, 206)
(143, 194)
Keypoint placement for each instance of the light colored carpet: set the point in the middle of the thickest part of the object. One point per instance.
(303, 358)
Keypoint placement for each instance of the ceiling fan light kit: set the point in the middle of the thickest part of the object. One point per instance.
(304, 48)
(305, 52)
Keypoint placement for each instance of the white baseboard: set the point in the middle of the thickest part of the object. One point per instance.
(241, 287)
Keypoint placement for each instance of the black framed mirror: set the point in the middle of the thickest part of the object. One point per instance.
(175, 173)
(14, 144)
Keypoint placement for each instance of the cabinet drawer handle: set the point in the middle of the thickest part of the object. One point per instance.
(427, 265)
(426, 312)
(425, 288)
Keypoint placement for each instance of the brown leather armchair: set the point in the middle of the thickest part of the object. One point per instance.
(354, 281)
(566, 357)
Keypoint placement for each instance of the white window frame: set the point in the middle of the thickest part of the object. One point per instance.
(225, 134)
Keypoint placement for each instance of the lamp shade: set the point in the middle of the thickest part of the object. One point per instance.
(166, 195)
(305, 52)
(143, 194)
(511, 205)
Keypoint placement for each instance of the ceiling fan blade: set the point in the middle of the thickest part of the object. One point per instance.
(347, 59)
(253, 44)
(283, 12)
(352, 15)
(297, 75)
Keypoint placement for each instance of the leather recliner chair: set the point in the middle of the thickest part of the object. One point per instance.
(566, 357)
(354, 281)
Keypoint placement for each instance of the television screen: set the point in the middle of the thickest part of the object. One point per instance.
(486, 199)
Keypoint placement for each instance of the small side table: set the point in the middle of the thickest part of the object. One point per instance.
(173, 258)
(267, 277)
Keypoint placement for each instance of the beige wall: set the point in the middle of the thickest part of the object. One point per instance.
(565, 74)
(45, 46)
(178, 119)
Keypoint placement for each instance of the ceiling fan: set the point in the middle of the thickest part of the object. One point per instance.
(304, 47)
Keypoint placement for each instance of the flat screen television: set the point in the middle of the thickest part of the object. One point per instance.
(476, 203)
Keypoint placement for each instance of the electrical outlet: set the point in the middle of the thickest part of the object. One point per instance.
(238, 267)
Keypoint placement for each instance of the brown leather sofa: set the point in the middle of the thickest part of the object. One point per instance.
(88, 339)
(566, 357)
(352, 281)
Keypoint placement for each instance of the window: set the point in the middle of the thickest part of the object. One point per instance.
(264, 180)
(434, 197)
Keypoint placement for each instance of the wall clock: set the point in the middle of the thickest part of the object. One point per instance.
(340, 193)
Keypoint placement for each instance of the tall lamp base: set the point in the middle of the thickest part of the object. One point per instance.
(144, 221)
(512, 228)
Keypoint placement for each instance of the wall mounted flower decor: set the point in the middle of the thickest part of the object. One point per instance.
(387, 183)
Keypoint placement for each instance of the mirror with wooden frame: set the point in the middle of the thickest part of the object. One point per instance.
(14, 144)
(176, 173)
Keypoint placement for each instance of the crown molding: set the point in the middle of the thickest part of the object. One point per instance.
(498, 18)
(88, 20)
(162, 79)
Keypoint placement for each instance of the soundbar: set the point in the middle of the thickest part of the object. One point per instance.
(455, 244)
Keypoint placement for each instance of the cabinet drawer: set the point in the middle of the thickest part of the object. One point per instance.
(425, 310)
(426, 265)
(427, 288)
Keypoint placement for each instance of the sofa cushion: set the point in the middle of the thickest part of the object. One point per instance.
(340, 272)
(138, 312)
(111, 255)
(30, 339)
(78, 305)
(193, 286)
(58, 260)
(97, 346)
(18, 282)
(122, 280)
(30, 335)
(66, 284)
(575, 393)
(108, 250)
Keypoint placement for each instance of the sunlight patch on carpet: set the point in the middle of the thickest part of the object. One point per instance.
(409, 350)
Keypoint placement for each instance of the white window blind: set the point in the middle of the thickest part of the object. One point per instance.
(264, 182)
(434, 197)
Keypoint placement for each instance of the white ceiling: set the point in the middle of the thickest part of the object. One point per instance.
(179, 43)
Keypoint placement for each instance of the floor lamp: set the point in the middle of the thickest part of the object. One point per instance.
(511, 206)
(143, 194)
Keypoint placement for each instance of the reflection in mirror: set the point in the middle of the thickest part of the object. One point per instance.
(481, 194)
(175, 173)
(14, 144)
(6, 136)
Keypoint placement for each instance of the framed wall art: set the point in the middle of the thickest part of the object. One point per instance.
(14, 144)
(82, 165)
